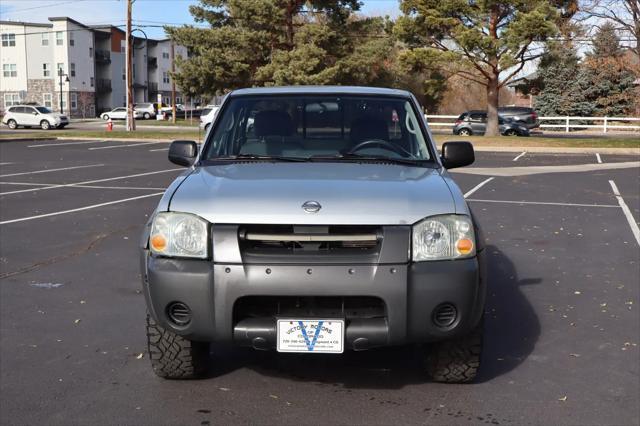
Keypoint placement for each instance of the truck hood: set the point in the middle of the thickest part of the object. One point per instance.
(349, 193)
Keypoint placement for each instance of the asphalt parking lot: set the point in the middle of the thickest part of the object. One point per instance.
(562, 322)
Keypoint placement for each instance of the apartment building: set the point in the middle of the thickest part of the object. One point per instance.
(80, 69)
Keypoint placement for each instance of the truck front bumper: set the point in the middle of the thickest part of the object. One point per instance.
(410, 292)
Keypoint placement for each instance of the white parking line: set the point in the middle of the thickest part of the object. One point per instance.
(520, 156)
(23, 219)
(63, 144)
(123, 146)
(5, 164)
(84, 186)
(598, 158)
(478, 186)
(88, 182)
(161, 149)
(51, 170)
(625, 209)
(542, 203)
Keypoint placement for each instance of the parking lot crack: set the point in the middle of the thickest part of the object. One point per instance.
(56, 259)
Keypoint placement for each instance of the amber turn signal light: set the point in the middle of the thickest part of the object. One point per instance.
(464, 246)
(158, 242)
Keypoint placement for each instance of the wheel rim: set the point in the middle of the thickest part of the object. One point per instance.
(12, 124)
(464, 132)
(44, 125)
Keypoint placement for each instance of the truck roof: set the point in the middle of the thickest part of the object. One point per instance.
(318, 90)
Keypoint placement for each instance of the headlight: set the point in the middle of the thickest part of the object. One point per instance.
(180, 235)
(443, 237)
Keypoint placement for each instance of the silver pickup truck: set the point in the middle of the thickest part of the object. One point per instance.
(315, 220)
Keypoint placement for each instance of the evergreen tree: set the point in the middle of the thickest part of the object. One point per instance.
(563, 83)
(278, 42)
(606, 43)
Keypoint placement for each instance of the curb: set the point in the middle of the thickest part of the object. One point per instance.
(27, 139)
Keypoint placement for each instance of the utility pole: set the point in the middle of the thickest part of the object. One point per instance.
(173, 82)
(131, 123)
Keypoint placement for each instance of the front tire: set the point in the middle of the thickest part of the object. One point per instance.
(173, 356)
(510, 132)
(44, 125)
(12, 124)
(105, 117)
(456, 360)
(146, 116)
(464, 132)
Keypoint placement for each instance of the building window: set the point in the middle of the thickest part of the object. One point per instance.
(59, 38)
(8, 40)
(64, 101)
(165, 77)
(124, 73)
(47, 100)
(134, 71)
(165, 55)
(72, 42)
(178, 100)
(59, 68)
(91, 52)
(46, 70)
(92, 82)
(12, 99)
(167, 100)
(9, 70)
(72, 69)
(74, 101)
(45, 39)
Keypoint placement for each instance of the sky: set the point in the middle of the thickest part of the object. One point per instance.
(146, 13)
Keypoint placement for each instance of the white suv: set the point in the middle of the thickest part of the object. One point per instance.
(207, 115)
(33, 116)
(147, 110)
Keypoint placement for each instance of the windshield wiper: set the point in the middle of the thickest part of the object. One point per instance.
(257, 157)
(378, 158)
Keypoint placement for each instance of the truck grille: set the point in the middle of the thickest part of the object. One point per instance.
(258, 241)
(350, 307)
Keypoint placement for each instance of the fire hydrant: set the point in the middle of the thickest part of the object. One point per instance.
(109, 125)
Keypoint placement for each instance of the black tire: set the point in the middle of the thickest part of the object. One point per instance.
(510, 132)
(464, 132)
(206, 127)
(105, 117)
(146, 116)
(457, 360)
(44, 125)
(12, 124)
(173, 356)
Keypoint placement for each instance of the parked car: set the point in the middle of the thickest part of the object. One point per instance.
(146, 109)
(207, 116)
(475, 123)
(120, 113)
(315, 230)
(169, 109)
(527, 117)
(34, 116)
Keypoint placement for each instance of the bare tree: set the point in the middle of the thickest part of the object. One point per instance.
(624, 14)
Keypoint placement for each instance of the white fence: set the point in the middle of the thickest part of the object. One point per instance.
(564, 123)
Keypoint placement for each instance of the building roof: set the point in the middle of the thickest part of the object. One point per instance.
(66, 18)
(27, 24)
(317, 90)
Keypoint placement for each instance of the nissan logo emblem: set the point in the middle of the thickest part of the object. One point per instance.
(311, 207)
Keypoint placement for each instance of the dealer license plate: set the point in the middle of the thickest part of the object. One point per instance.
(321, 336)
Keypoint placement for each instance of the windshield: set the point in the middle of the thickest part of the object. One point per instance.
(44, 110)
(308, 127)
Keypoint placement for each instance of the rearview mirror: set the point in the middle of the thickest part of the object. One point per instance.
(457, 154)
(183, 153)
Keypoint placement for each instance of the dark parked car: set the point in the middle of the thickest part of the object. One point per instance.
(528, 117)
(475, 123)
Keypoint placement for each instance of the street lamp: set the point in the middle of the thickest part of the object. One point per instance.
(61, 74)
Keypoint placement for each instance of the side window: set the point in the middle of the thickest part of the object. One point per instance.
(478, 118)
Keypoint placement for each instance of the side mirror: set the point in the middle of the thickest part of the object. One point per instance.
(35, 113)
(457, 154)
(183, 153)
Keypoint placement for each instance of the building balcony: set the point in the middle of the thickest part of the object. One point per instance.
(139, 86)
(103, 85)
(103, 56)
(153, 88)
(152, 62)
